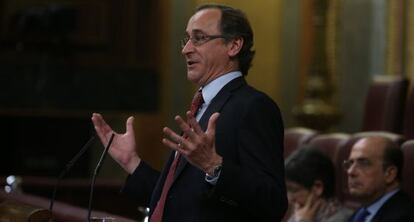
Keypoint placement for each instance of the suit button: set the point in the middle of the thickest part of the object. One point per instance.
(228, 201)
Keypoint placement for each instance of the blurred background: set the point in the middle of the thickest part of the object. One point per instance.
(62, 60)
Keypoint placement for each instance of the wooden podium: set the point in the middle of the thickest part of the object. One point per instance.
(17, 212)
(17, 207)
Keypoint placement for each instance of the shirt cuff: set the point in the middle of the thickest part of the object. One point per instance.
(212, 179)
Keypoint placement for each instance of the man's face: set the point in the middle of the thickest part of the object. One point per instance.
(366, 175)
(210, 59)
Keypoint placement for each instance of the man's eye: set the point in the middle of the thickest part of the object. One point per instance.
(365, 162)
(199, 37)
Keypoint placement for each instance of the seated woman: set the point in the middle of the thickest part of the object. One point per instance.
(310, 181)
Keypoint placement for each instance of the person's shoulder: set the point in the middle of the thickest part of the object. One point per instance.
(400, 205)
(244, 96)
(254, 98)
(249, 92)
(402, 199)
(342, 215)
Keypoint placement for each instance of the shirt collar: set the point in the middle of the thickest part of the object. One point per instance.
(374, 208)
(212, 88)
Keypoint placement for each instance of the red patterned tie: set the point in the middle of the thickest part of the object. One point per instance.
(159, 209)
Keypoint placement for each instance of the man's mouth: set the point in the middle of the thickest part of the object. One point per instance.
(191, 62)
(353, 184)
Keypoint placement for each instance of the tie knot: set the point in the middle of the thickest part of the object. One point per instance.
(196, 102)
(361, 215)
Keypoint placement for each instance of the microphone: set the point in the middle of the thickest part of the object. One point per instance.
(69, 166)
(95, 173)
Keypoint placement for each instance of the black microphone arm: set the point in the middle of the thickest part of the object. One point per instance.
(69, 166)
(95, 173)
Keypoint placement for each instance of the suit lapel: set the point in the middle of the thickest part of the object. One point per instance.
(387, 207)
(215, 106)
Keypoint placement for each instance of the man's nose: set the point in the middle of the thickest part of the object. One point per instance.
(351, 171)
(187, 47)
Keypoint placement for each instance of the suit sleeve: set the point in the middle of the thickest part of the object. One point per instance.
(255, 182)
(140, 184)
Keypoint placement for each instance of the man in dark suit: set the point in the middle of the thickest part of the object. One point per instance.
(374, 171)
(227, 163)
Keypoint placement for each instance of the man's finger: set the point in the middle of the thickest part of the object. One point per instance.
(172, 135)
(211, 128)
(185, 127)
(103, 130)
(130, 125)
(192, 121)
(179, 147)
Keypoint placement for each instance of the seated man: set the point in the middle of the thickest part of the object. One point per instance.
(310, 181)
(374, 171)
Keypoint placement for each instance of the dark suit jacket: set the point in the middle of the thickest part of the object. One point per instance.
(251, 187)
(399, 208)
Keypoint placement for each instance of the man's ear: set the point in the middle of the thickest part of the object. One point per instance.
(234, 46)
(390, 174)
(318, 188)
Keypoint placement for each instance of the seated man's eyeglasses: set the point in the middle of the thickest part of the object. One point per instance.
(361, 163)
(199, 38)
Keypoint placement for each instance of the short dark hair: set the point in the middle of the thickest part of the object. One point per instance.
(234, 24)
(306, 165)
(393, 156)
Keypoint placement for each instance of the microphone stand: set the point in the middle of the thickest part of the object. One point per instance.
(97, 168)
(69, 166)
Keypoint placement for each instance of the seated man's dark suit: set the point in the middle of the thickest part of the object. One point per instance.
(251, 186)
(399, 208)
